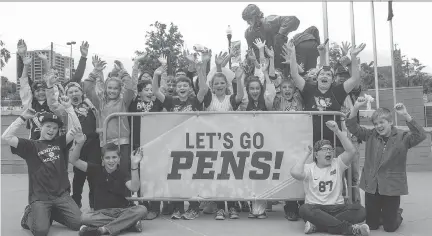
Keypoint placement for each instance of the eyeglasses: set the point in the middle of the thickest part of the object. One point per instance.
(327, 149)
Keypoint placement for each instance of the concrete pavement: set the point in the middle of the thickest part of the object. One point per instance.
(417, 218)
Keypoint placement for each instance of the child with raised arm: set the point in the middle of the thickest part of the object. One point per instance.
(384, 177)
(113, 212)
(324, 209)
(49, 197)
(184, 103)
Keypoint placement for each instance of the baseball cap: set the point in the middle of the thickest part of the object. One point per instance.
(48, 116)
(39, 85)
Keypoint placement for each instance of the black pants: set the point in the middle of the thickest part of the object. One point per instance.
(307, 53)
(293, 206)
(221, 205)
(383, 206)
(333, 219)
(91, 152)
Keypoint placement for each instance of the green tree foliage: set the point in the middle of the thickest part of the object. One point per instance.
(161, 39)
(4, 55)
(8, 89)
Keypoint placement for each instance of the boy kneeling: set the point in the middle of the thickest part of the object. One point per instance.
(113, 212)
(384, 177)
(324, 209)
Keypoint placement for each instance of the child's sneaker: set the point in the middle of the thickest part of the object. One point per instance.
(360, 230)
(251, 216)
(190, 214)
(291, 216)
(138, 226)
(262, 216)
(89, 231)
(309, 228)
(176, 215)
(220, 215)
(233, 213)
(25, 217)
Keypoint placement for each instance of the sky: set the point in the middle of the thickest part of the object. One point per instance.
(115, 30)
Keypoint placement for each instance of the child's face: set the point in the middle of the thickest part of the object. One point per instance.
(183, 89)
(171, 87)
(219, 86)
(113, 89)
(110, 160)
(383, 126)
(147, 93)
(40, 94)
(254, 90)
(325, 79)
(49, 130)
(75, 94)
(325, 155)
(287, 90)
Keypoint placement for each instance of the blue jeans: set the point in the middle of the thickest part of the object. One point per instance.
(334, 219)
(115, 220)
(63, 210)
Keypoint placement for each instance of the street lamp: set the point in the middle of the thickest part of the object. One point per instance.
(71, 43)
(229, 36)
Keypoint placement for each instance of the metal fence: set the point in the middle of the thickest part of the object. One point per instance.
(348, 194)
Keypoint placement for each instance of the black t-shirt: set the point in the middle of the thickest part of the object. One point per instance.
(47, 167)
(141, 106)
(176, 105)
(331, 100)
(110, 189)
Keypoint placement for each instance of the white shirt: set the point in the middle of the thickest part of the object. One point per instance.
(217, 105)
(323, 186)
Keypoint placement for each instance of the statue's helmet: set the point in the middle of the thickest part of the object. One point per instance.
(251, 11)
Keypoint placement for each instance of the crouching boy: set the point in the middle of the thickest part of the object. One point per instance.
(324, 209)
(384, 177)
(49, 186)
(113, 212)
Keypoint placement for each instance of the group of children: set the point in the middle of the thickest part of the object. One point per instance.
(59, 112)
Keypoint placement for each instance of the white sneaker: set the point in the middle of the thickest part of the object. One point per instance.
(309, 228)
(360, 230)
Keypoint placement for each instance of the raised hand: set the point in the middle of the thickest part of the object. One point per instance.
(346, 46)
(322, 48)
(84, 48)
(206, 56)
(137, 156)
(401, 109)
(309, 149)
(159, 71)
(95, 59)
(21, 48)
(28, 113)
(220, 59)
(269, 51)
(190, 57)
(42, 56)
(163, 59)
(99, 65)
(27, 59)
(259, 44)
(65, 101)
(288, 49)
(361, 101)
(78, 135)
(332, 125)
(118, 65)
(301, 66)
(356, 50)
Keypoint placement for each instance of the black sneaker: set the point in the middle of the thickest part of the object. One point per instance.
(291, 216)
(233, 213)
(89, 231)
(191, 214)
(24, 218)
(138, 226)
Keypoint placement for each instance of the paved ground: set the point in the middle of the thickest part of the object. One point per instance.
(417, 207)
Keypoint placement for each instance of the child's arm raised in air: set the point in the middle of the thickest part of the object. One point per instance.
(25, 92)
(9, 134)
(347, 156)
(66, 103)
(417, 133)
(297, 171)
(80, 139)
(290, 52)
(134, 184)
(155, 84)
(351, 123)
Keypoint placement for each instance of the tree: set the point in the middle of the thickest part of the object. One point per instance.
(4, 55)
(7, 88)
(162, 40)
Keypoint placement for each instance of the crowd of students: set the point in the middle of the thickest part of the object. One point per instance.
(66, 118)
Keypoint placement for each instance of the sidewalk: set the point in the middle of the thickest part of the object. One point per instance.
(417, 218)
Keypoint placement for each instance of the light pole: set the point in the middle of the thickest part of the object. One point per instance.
(71, 43)
(229, 36)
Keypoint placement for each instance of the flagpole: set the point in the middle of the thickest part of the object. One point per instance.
(326, 33)
(375, 56)
(352, 24)
(393, 65)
